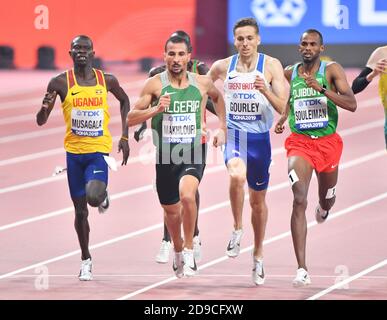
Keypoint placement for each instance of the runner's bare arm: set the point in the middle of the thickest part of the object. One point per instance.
(56, 86)
(218, 100)
(114, 87)
(141, 111)
(218, 70)
(280, 127)
(344, 97)
(278, 95)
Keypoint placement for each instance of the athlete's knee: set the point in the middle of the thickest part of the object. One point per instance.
(300, 199)
(94, 199)
(81, 213)
(95, 192)
(237, 178)
(187, 199)
(95, 196)
(257, 206)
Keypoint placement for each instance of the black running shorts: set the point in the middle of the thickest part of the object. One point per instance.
(168, 175)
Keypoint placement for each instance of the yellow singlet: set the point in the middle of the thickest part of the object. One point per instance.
(383, 89)
(86, 115)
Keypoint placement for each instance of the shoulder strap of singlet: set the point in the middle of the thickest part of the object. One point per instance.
(261, 63)
(295, 70)
(191, 79)
(100, 77)
(70, 78)
(164, 79)
(194, 68)
(321, 70)
(233, 63)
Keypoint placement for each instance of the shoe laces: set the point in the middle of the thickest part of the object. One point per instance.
(258, 267)
(302, 274)
(236, 235)
(189, 257)
(86, 266)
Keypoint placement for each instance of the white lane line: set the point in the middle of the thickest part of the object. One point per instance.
(211, 170)
(71, 209)
(204, 211)
(148, 157)
(265, 242)
(212, 275)
(348, 280)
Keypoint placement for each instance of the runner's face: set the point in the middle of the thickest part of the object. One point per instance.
(246, 40)
(310, 47)
(82, 51)
(176, 57)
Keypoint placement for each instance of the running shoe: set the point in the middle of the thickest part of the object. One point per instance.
(178, 264)
(321, 214)
(190, 268)
(197, 248)
(85, 272)
(302, 278)
(258, 272)
(163, 255)
(102, 208)
(234, 245)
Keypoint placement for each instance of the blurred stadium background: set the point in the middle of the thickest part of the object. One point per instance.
(37, 33)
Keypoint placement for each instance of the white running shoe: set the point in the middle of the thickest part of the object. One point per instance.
(102, 208)
(197, 248)
(234, 246)
(85, 272)
(178, 264)
(321, 214)
(163, 255)
(302, 278)
(190, 268)
(258, 272)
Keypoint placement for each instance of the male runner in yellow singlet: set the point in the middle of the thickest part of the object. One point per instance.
(376, 66)
(83, 92)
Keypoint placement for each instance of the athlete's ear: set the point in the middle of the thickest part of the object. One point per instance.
(322, 48)
(259, 39)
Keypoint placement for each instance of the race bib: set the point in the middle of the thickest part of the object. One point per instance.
(311, 113)
(87, 123)
(244, 107)
(179, 128)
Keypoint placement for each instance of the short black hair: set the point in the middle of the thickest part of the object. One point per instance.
(177, 39)
(185, 35)
(82, 36)
(316, 32)
(246, 22)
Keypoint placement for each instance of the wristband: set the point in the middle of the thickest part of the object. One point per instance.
(124, 138)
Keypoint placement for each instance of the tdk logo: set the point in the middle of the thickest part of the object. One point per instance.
(88, 113)
(309, 103)
(245, 96)
(179, 117)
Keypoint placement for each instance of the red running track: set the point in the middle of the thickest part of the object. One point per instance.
(39, 250)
